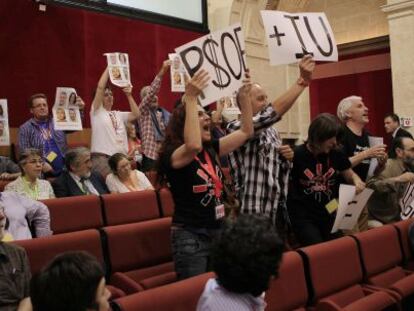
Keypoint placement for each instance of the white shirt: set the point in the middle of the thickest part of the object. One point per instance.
(116, 186)
(395, 132)
(109, 136)
(88, 184)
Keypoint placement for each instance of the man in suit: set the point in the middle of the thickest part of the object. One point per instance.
(393, 127)
(78, 179)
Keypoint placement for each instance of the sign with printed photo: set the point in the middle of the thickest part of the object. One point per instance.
(177, 73)
(66, 114)
(4, 124)
(118, 68)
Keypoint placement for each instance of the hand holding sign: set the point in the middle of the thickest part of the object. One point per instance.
(292, 36)
(197, 84)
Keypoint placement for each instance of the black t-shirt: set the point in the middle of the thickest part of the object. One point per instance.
(314, 183)
(193, 190)
(353, 144)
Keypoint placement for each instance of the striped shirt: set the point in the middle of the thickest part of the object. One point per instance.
(217, 298)
(150, 146)
(260, 175)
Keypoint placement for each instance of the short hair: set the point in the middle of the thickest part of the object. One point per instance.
(36, 96)
(397, 142)
(344, 106)
(68, 283)
(114, 160)
(72, 156)
(144, 91)
(322, 128)
(25, 154)
(393, 117)
(246, 254)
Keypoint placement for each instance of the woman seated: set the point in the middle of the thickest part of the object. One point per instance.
(123, 178)
(29, 184)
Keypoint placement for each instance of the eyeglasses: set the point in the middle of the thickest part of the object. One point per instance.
(40, 161)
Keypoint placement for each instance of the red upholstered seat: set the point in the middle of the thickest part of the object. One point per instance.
(336, 276)
(288, 291)
(179, 296)
(123, 208)
(402, 228)
(166, 201)
(381, 257)
(140, 254)
(74, 213)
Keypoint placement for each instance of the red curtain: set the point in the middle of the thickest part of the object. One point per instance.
(64, 47)
(374, 87)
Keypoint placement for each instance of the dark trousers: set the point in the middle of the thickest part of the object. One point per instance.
(148, 164)
(309, 232)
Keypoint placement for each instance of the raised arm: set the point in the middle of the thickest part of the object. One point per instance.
(134, 114)
(184, 154)
(100, 90)
(282, 104)
(237, 138)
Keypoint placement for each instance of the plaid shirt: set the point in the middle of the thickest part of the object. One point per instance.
(150, 146)
(259, 173)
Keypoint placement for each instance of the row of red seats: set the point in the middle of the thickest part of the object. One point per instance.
(368, 271)
(136, 256)
(92, 212)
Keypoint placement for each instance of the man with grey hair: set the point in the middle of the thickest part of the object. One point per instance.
(78, 178)
(355, 143)
(152, 120)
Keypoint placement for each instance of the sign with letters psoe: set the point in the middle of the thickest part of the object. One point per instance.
(291, 36)
(350, 207)
(4, 124)
(222, 55)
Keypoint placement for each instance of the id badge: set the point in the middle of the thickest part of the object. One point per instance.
(220, 213)
(51, 156)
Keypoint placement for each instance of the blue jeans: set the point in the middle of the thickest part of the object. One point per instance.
(191, 251)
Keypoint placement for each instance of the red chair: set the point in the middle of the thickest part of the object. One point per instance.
(167, 202)
(288, 291)
(140, 255)
(124, 208)
(402, 228)
(179, 296)
(381, 258)
(335, 278)
(74, 213)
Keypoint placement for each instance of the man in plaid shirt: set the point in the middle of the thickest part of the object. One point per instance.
(152, 120)
(260, 168)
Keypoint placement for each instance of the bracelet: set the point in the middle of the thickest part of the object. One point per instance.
(302, 82)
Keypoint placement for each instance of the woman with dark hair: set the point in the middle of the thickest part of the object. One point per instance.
(315, 182)
(123, 178)
(30, 184)
(72, 99)
(188, 161)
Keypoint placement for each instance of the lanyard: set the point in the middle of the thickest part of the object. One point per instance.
(209, 168)
(114, 121)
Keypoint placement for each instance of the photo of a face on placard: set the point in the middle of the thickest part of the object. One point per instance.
(116, 73)
(122, 58)
(1, 111)
(72, 115)
(72, 99)
(2, 127)
(60, 114)
(63, 97)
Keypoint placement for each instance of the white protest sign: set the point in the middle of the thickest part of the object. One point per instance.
(222, 55)
(118, 68)
(4, 124)
(407, 202)
(66, 114)
(177, 73)
(373, 163)
(350, 207)
(291, 36)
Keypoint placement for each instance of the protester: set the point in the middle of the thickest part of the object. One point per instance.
(29, 184)
(8, 169)
(123, 179)
(188, 160)
(109, 134)
(245, 257)
(39, 133)
(315, 183)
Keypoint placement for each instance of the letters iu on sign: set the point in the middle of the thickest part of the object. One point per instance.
(291, 36)
(222, 55)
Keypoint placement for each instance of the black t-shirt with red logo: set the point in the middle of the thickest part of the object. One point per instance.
(193, 190)
(314, 183)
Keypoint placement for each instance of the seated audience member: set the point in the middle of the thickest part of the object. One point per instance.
(245, 257)
(29, 184)
(123, 179)
(24, 213)
(72, 281)
(392, 184)
(8, 169)
(152, 120)
(188, 161)
(39, 133)
(134, 144)
(315, 181)
(14, 273)
(78, 178)
(109, 134)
